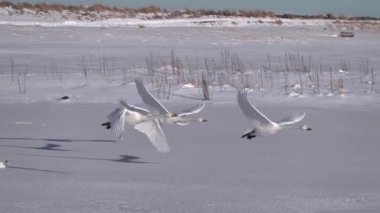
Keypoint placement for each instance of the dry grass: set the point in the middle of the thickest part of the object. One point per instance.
(357, 24)
(97, 8)
(150, 9)
(291, 73)
(6, 4)
(163, 13)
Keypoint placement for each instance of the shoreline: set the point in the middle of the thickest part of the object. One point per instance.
(100, 11)
(65, 18)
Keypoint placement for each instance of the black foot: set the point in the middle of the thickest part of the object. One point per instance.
(107, 125)
(249, 135)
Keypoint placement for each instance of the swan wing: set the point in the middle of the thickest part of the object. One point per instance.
(115, 114)
(182, 123)
(293, 119)
(193, 110)
(133, 108)
(250, 111)
(156, 135)
(149, 99)
(116, 118)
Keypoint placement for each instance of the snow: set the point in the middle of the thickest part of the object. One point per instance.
(11, 16)
(62, 160)
(332, 168)
(188, 86)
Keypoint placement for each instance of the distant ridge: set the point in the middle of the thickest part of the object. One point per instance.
(159, 13)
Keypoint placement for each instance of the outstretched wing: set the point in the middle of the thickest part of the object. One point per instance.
(292, 119)
(182, 123)
(153, 130)
(250, 111)
(149, 99)
(198, 108)
(116, 118)
(115, 114)
(133, 108)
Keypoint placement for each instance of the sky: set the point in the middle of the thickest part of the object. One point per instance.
(302, 7)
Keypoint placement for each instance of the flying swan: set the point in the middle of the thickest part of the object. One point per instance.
(264, 126)
(140, 119)
(181, 118)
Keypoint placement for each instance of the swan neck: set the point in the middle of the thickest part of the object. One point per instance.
(152, 117)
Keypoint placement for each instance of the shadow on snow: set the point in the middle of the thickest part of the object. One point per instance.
(36, 170)
(122, 159)
(57, 139)
(48, 147)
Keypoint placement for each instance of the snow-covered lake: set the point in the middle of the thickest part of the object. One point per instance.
(62, 160)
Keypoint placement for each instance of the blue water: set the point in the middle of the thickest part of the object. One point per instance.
(305, 7)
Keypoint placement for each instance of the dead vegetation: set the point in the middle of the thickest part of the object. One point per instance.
(292, 74)
(166, 14)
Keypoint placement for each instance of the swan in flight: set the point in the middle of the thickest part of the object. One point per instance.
(264, 126)
(140, 119)
(181, 118)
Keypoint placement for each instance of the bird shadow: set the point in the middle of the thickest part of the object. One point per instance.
(48, 147)
(37, 170)
(52, 147)
(57, 139)
(129, 159)
(122, 159)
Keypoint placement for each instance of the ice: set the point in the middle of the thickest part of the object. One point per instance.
(332, 168)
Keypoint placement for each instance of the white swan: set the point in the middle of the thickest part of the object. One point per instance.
(264, 126)
(180, 118)
(141, 120)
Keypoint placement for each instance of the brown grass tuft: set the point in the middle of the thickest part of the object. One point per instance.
(6, 4)
(98, 8)
(150, 9)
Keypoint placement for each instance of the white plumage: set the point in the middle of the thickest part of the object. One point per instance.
(181, 118)
(262, 124)
(141, 120)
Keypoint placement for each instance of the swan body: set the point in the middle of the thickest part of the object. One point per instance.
(262, 124)
(141, 120)
(181, 118)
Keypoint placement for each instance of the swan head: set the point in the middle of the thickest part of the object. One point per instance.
(172, 114)
(202, 119)
(306, 128)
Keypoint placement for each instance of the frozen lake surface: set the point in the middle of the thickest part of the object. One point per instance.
(38, 46)
(62, 160)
